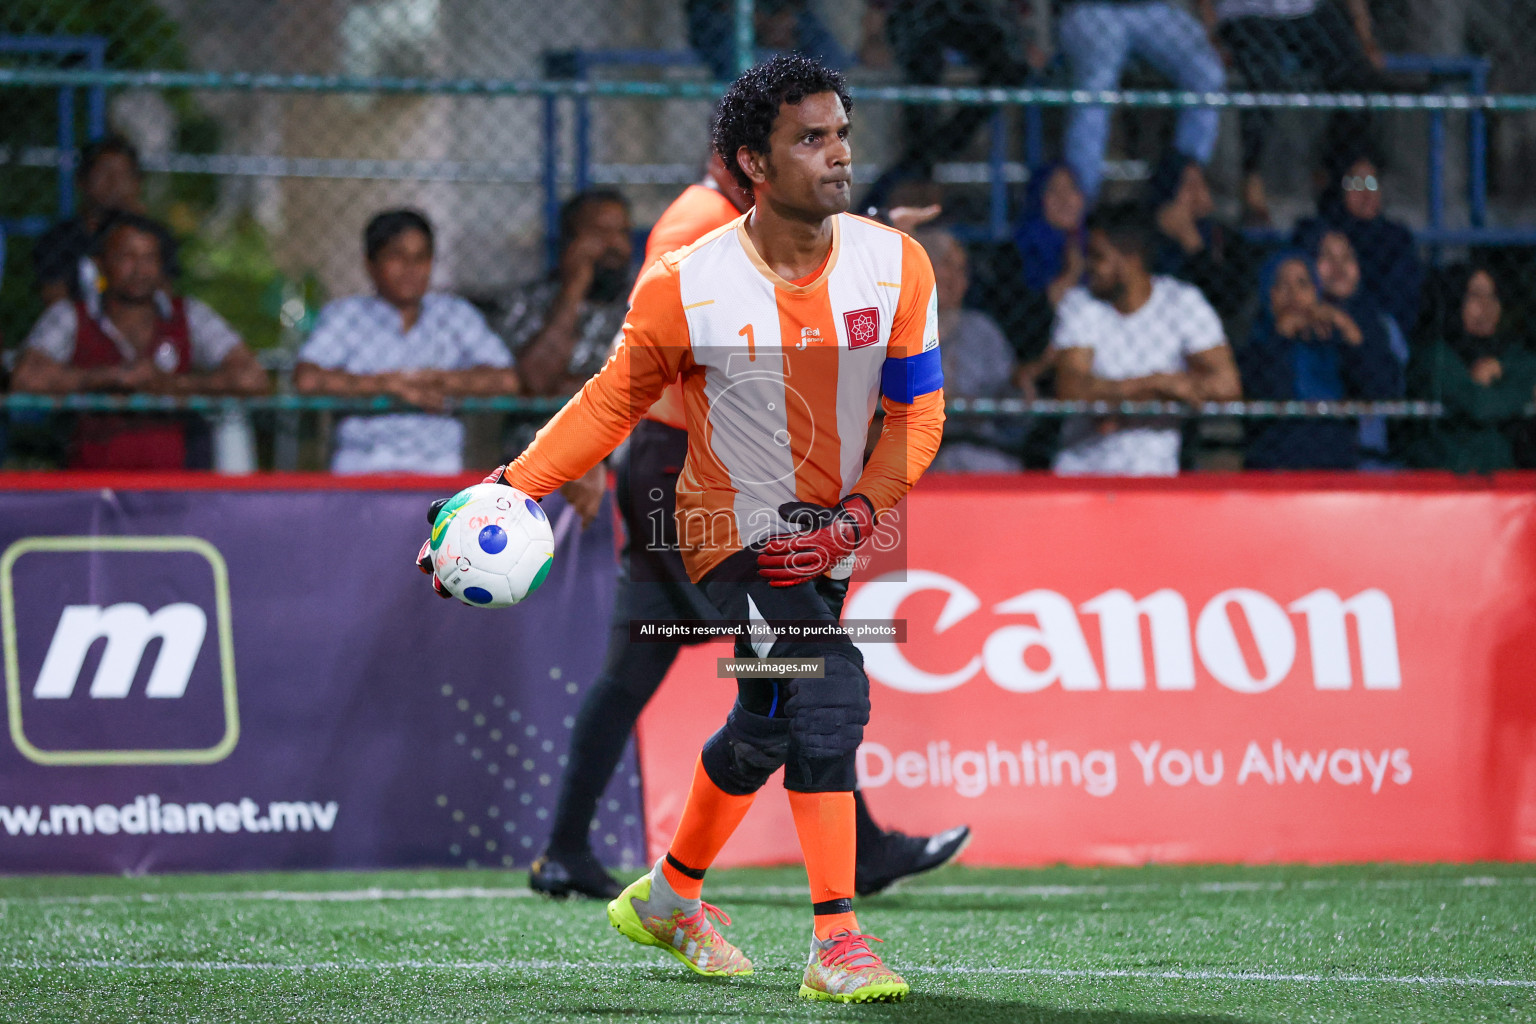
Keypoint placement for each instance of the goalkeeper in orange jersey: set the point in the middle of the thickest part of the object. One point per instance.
(787, 327)
(654, 586)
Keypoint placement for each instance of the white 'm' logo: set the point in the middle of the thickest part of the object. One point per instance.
(128, 629)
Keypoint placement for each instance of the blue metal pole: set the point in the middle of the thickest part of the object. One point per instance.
(1477, 158)
(996, 158)
(746, 36)
(96, 96)
(551, 134)
(67, 157)
(583, 132)
(1034, 136)
(1437, 170)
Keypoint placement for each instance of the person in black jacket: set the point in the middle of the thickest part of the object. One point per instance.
(1192, 244)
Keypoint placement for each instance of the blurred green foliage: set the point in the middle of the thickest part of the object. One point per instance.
(230, 267)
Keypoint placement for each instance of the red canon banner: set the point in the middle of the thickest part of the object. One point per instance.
(1239, 669)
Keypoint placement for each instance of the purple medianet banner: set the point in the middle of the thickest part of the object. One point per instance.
(248, 680)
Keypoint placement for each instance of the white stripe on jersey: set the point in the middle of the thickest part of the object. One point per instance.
(868, 273)
(744, 390)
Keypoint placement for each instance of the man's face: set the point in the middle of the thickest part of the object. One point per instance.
(807, 170)
(1337, 268)
(402, 270)
(1481, 309)
(1362, 190)
(1106, 268)
(112, 184)
(608, 226)
(131, 265)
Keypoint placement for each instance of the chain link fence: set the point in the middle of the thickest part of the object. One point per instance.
(1333, 191)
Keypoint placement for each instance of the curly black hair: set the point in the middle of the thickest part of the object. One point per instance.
(747, 111)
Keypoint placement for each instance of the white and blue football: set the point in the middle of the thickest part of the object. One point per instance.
(492, 546)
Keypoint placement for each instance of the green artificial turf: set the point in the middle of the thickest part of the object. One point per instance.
(1375, 943)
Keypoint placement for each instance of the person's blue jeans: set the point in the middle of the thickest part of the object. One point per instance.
(1098, 38)
(712, 34)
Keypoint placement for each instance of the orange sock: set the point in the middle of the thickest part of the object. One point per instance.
(825, 824)
(709, 817)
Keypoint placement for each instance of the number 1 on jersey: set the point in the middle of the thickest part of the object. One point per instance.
(746, 332)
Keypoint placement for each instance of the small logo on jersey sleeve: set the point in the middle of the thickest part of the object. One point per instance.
(863, 327)
(931, 326)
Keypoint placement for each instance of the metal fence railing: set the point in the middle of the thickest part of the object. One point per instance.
(1325, 171)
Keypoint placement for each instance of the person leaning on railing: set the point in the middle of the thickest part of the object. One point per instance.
(1480, 369)
(1133, 337)
(135, 336)
(417, 345)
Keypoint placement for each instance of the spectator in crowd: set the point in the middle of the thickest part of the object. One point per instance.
(1338, 273)
(561, 328)
(1050, 242)
(134, 336)
(1050, 233)
(109, 178)
(779, 26)
(1343, 284)
(1288, 46)
(1351, 202)
(404, 340)
(1481, 371)
(1307, 350)
(919, 34)
(1194, 246)
(1099, 36)
(1130, 336)
(978, 363)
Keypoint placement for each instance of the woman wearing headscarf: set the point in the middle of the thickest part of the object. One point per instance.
(1482, 373)
(1051, 241)
(1306, 350)
(1352, 202)
(1341, 279)
(1050, 234)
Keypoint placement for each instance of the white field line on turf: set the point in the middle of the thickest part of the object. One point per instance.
(1051, 973)
(1023, 891)
(285, 896)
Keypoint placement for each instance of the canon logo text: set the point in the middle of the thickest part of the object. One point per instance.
(1057, 630)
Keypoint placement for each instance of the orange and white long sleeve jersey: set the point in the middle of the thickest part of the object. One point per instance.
(780, 383)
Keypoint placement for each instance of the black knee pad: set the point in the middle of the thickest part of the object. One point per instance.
(826, 724)
(747, 749)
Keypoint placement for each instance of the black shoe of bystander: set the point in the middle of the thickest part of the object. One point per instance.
(571, 874)
(902, 856)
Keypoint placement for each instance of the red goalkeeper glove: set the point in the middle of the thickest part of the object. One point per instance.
(424, 556)
(826, 537)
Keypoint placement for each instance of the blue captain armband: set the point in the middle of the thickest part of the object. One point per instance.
(906, 379)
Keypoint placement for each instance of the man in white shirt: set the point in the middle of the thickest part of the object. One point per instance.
(1131, 337)
(405, 341)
